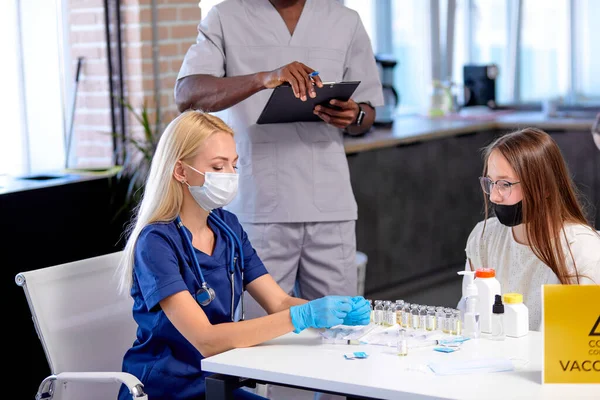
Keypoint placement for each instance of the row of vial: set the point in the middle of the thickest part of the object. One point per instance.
(416, 316)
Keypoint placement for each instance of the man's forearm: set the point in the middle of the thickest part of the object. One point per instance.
(209, 93)
(367, 121)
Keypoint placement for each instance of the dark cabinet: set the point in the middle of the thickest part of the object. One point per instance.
(583, 161)
(45, 227)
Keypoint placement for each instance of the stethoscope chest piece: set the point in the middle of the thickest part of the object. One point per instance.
(205, 295)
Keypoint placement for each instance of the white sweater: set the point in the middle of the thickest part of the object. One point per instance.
(520, 271)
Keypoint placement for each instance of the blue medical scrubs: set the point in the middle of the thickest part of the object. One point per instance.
(164, 361)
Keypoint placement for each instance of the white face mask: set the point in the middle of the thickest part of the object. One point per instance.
(219, 189)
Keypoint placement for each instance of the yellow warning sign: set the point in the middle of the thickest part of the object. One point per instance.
(571, 330)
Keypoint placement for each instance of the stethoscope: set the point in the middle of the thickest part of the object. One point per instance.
(206, 294)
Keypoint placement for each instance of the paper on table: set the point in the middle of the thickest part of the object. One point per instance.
(463, 367)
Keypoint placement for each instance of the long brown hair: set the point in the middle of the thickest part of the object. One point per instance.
(549, 195)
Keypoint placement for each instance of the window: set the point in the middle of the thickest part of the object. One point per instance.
(400, 28)
(543, 52)
(411, 47)
(32, 102)
(482, 37)
(587, 49)
(12, 139)
(366, 10)
(555, 46)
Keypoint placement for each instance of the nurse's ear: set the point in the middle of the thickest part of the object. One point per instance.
(179, 172)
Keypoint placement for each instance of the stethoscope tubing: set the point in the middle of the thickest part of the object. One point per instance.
(234, 241)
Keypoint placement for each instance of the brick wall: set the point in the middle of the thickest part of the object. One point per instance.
(177, 29)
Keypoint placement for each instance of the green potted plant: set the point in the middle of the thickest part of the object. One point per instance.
(127, 186)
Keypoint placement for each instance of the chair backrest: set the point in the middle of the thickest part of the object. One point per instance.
(82, 321)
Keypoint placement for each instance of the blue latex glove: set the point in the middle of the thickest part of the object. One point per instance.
(325, 312)
(360, 313)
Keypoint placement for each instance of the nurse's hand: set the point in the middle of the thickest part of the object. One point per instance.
(297, 75)
(342, 114)
(325, 312)
(360, 314)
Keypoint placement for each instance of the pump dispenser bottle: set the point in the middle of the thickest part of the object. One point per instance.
(498, 319)
(469, 302)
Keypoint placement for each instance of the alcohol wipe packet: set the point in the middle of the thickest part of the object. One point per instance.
(445, 349)
(355, 355)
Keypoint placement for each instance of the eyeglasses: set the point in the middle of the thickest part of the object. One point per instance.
(504, 187)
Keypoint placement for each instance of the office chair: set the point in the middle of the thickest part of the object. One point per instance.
(85, 326)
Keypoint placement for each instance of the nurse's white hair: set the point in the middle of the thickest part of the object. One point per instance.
(163, 194)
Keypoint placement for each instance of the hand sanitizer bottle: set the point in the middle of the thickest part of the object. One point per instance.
(470, 317)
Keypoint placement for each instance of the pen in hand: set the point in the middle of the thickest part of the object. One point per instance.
(312, 77)
(315, 79)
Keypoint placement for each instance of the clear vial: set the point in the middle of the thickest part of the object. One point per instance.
(456, 323)
(414, 311)
(440, 317)
(423, 317)
(398, 311)
(372, 312)
(378, 309)
(402, 346)
(387, 310)
(406, 316)
(430, 318)
(391, 314)
(447, 328)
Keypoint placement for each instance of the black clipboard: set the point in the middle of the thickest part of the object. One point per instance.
(284, 107)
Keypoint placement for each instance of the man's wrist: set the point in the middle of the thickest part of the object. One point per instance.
(360, 116)
(260, 80)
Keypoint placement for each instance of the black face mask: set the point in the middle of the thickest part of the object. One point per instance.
(509, 215)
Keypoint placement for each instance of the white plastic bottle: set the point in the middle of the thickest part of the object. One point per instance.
(516, 315)
(487, 289)
(469, 302)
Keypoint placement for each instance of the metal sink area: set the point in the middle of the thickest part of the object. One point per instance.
(577, 111)
(586, 110)
(575, 114)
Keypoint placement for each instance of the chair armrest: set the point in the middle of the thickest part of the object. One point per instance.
(133, 384)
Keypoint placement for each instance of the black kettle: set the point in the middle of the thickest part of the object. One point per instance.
(391, 99)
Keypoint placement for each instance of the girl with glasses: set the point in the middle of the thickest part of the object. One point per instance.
(538, 233)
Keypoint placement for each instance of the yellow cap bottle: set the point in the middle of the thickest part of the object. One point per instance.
(516, 315)
(512, 298)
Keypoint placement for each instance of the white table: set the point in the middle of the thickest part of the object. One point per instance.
(304, 361)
